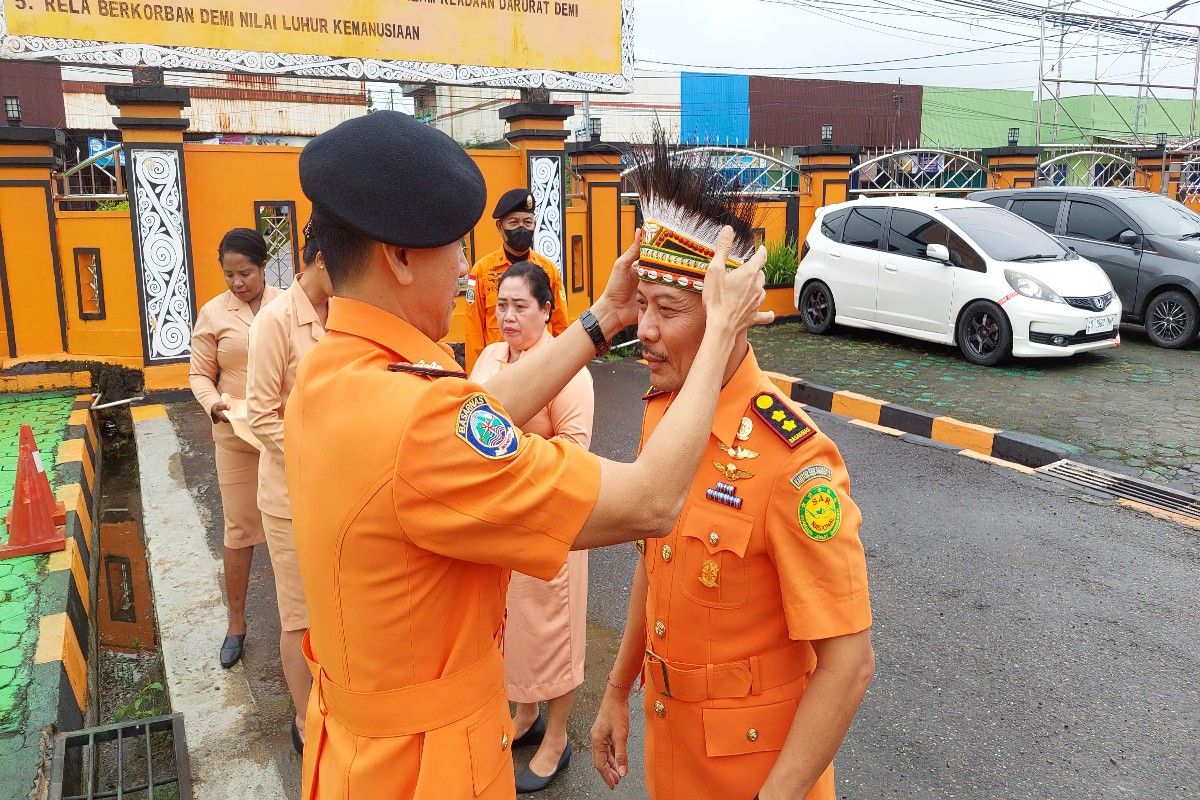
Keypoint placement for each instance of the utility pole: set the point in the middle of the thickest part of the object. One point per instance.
(587, 114)
(1062, 35)
(897, 99)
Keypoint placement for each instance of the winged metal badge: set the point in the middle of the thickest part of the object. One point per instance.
(731, 472)
(737, 452)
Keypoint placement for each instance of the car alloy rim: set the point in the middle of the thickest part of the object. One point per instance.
(983, 334)
(818, 307)
(1168, 320)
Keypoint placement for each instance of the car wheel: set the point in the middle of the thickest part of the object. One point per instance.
(984, 334)
(1172, 319)
(817, 309)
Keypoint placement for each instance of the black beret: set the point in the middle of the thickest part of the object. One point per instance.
(513, 200)
(395, 180)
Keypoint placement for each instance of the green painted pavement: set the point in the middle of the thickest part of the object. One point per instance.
(1135, 405)
(26, 592)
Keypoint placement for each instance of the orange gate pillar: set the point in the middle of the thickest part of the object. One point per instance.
(151, 123)
(1013, 167)
(596, 170)
(536, 129)
(1156, 166)
(31, 276)
(825, 179)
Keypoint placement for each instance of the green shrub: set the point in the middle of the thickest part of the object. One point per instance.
(782, 260)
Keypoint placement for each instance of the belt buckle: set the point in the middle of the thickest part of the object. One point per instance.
(662, 665)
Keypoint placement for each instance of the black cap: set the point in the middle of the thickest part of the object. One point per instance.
(395, 180)
(513, 200)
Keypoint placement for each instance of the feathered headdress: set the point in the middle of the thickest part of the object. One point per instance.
(685, 203)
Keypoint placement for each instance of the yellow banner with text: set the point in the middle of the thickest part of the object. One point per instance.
(567, 36)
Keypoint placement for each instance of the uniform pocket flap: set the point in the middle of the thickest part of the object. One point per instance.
(750, 729)
(489, 739)
(719, 528)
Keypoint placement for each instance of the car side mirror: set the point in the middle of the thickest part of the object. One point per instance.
(938, 252)
(1129, 238)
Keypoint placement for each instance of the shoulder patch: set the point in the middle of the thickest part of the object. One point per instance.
(471, 284)
(820, 513)
(811, 473)
(781, 419)
(652, 393)
(425, 369)
(484, 430)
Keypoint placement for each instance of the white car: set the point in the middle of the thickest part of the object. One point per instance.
(953, 271)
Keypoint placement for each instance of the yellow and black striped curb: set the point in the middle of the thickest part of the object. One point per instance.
(66, 599)
(1006, 447)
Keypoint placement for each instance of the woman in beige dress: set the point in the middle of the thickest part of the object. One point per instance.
(546, 630)
(281, 336)
(218, 367)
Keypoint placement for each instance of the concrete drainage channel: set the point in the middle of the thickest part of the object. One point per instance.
(1021, 451)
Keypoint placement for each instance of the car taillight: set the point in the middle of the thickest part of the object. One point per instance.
(804, 248)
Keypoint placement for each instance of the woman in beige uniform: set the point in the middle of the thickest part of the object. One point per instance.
(218, 368)
(279, 338)
(546, 630)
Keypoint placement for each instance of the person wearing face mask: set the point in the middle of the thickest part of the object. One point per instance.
(546, 630)
(514, 215)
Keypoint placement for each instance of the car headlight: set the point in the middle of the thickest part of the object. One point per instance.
(1031, 287)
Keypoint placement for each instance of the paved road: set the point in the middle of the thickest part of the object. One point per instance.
(1032, 641)
(1134, 406)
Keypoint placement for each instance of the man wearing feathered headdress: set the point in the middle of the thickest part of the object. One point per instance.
(750, 622)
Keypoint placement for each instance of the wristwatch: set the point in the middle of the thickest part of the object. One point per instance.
(592, 326)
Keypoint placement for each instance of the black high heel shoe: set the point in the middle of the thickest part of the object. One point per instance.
(533, 736)
(529, 781)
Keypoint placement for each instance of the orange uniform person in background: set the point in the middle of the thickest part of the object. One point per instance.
(515, 219)
(750, 622)
(413, 490)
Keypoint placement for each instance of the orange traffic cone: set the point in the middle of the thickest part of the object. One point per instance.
(35, 520)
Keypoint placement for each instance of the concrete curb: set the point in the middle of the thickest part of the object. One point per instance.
(229, 756)
(1006, 446)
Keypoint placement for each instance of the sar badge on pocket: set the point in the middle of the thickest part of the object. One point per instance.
(820, 513)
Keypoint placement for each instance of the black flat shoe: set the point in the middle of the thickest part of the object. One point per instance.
(231, 650)
(535, 734)
(297, 739)
(529, 781)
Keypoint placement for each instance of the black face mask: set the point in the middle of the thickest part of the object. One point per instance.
(519, 240)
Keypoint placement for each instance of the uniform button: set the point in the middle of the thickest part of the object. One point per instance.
(752, 734)
(713, 538)
(660, 628)
(666, 552)
(659, 708)
(504, 742)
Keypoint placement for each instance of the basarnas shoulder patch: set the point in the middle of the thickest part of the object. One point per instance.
(484, 430)
(820, 513)
(471, 291)
(781, 419)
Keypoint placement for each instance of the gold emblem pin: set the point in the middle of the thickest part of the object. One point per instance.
(731, 472)
(737, 452)
(745, 429)
(708, 573)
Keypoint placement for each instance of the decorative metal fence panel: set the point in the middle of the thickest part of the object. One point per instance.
(913, 171)
(277, 224)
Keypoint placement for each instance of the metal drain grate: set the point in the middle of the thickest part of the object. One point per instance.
(140, 760)
(1123, 486)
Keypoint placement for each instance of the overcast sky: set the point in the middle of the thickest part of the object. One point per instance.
(832, 39)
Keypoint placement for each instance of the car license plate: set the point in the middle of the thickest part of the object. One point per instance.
(1101, 324)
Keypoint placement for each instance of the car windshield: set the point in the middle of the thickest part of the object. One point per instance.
(1164, 217)
(1004, 236)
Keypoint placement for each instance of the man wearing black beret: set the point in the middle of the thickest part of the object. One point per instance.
(413, 491)
(514, 215)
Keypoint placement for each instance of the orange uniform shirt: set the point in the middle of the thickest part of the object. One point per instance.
(483, 283)
(736, 594)
(412, 498)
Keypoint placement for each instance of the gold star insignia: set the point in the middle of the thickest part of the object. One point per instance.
(789, 426)
(778, 416)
